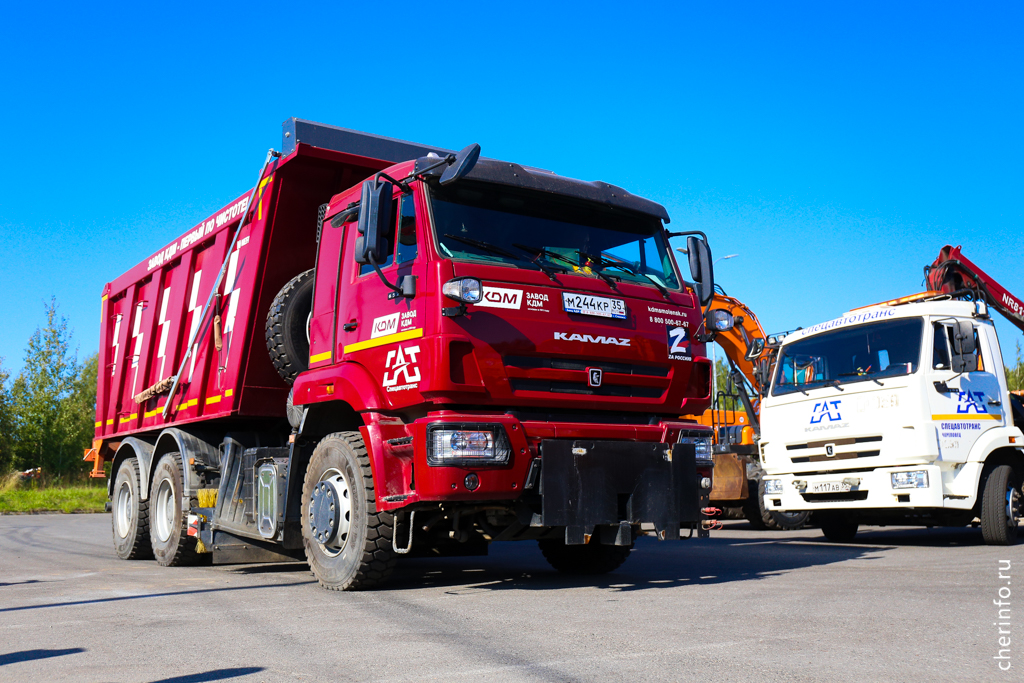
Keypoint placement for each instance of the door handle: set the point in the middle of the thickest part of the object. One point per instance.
(350, 326)
(994, 402)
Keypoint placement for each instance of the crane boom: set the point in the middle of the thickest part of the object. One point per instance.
(953, 272)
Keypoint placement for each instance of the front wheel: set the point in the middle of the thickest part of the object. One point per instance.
(590, 559)
(761, 518)
(348, 543)
(1000, 506)
(839, 530)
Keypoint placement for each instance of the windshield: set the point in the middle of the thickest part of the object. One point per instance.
(856, 354)
(497, 224)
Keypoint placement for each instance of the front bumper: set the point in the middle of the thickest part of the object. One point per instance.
(874, 491)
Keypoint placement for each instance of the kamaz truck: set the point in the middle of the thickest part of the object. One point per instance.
(899, 413)
(389, 349)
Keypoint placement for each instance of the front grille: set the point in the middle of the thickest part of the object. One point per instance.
(836, 442)
(835, 497)
(569, 376)
(617, 390)
(837, 456)
(538, 362)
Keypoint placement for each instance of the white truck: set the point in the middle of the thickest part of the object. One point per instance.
(899, 413)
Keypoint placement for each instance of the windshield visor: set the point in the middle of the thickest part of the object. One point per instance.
(501, 225)
(856, 354)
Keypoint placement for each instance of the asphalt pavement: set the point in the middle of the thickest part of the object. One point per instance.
(900, 604)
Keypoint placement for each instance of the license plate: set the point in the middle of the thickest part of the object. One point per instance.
(830, 487)
(599, 306)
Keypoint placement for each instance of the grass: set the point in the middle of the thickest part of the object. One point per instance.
(15, 498)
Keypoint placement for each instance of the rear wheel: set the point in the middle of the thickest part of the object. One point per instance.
(129, 514)
(1000, 506)
(592, 558)
(348, 543)
(169, 522)
(839, 530)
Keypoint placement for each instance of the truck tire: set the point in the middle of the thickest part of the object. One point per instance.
(762, 518)
(287, 337)
(360, 554)
(589, 559)
(129, 514)
(1000, 506)
(838, 529)
(172, 546)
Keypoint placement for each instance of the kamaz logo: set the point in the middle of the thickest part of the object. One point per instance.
(823, 409)
(971, 402)
(565, 336)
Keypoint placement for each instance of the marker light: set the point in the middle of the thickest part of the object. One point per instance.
(468, 290)
(773, 486)
(720, 321)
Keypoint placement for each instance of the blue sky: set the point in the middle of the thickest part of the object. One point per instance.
(835, 147)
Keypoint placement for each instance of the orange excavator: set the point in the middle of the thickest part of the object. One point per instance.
(735, 417)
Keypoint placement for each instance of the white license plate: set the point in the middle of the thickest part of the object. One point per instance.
(830, 487)
(600, 306)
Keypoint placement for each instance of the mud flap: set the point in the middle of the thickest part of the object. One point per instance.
(590, 483)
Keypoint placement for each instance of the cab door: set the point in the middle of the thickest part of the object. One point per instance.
(377, 329)
(973, 403)
(323, 328)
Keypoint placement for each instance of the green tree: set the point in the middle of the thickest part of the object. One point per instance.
(49, 398)
(7, 436)
(1015, 374)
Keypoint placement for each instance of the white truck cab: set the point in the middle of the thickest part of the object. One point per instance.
(895, 414)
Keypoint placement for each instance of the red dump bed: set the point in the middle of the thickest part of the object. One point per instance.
(150, 312)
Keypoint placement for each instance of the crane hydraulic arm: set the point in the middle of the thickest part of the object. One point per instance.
(952, 272)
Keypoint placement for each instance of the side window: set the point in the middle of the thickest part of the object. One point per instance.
(389, 243)
(940, 351)
(407, 230)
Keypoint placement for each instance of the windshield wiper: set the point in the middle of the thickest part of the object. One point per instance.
(599, 265)
(538, 253)
(606, 263)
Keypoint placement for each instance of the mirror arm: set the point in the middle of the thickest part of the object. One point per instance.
(398, 291)
(418, 175)
(403, 186)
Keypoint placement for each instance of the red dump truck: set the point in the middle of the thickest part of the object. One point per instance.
(386, 348)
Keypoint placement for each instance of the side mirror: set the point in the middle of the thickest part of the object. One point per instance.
(701, 268)
(374, 221)
(464, 162)
(763, 375)
(964, 347)
(754, 349)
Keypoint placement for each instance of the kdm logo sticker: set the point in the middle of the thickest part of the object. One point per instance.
(498, 297)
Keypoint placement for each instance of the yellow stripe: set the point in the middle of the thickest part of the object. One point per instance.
(99, 424)
(103, 298)
(381, 341)
(189, 404)
(326, 355)
(125, 419)
(229, 392)
(966, 417)
(151, 413)
(110, 422)
(213, 399)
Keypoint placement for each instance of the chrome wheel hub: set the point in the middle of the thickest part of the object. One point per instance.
(330, 512)
(124, 509)
(163, 512)
(1013, 501)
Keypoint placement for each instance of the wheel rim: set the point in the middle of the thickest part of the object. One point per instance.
(163, 521)
(338, 488)
(124, 509)
(1012, 506)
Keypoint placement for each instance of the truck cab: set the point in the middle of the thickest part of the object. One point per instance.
(895, 414)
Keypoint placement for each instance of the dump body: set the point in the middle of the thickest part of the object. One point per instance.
(548, 405)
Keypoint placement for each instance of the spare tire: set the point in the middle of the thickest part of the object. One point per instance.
(287, 327)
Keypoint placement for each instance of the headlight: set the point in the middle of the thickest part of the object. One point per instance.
(720, 321)
(917, 479)
(701, 445)
(773, 486)
(468, 290)
(467, 444)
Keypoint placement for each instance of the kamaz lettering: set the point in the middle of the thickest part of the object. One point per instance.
(617, 341)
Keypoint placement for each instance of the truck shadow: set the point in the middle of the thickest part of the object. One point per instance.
(652, 565)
